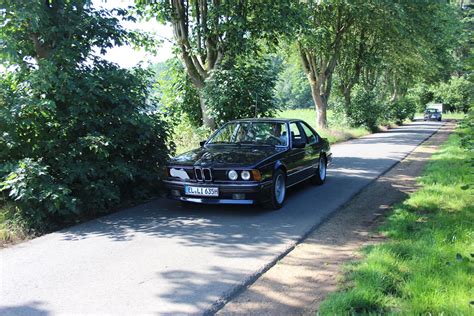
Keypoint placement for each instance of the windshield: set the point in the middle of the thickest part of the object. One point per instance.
(432, 111)
(258, 133)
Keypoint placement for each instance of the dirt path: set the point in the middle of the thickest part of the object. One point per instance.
(299, 282)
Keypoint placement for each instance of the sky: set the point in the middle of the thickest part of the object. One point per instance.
(128, 57)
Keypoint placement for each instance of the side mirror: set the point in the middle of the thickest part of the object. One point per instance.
(298, 143)
(201, 143)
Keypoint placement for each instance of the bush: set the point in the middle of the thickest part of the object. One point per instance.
(61, 158)
(400, 110)
(34, 189)
(364, 110)
(78, 136)
(241, 88)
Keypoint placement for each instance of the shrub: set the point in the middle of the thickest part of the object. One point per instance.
(38, 194)
(61, 158)
(78, 136)
(365, 109)
(400, 110)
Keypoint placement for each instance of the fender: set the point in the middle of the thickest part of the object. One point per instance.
(279, 164)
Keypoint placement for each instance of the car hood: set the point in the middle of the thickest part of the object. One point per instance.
(222, 156)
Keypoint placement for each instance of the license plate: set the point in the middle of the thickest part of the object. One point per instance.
(201, 191)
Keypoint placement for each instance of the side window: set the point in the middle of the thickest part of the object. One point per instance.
(295, 131)
(311, 138)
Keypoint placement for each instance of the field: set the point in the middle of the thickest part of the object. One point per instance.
(426, 267)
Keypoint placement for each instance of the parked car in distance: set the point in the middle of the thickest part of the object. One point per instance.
(432, 114)
(249, 161)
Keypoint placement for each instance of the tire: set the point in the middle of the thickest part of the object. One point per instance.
(278, 190)
(320, 176)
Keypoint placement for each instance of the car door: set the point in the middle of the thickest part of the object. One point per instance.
(313, 148)
(296, 157)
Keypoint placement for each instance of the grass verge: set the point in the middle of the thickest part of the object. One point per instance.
(12, 228)
(427, 266)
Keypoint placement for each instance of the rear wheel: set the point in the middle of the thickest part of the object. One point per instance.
(320, 175)
(278, 190)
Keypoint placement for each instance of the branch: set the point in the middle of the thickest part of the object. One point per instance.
(42, 50)
(180, 30)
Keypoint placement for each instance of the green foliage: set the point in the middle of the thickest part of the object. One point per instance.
(178, 97)
(456, 95)
(365, 109)
(420, 94)
(242, 88)
(77, 133)
(426, 266)
(467, 125)
(292, 90)
(400, 110)
(34, 188)
(187, 136)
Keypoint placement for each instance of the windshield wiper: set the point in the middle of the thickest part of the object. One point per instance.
(223, 143)
(248, 142)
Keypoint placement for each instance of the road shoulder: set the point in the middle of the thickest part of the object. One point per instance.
(299, 282)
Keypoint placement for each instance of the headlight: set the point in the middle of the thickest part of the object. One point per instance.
(245, 175)
(233, 175)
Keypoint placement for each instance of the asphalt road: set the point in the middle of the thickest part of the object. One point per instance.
(160, 258)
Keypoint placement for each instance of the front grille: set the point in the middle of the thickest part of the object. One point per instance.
(203, 174)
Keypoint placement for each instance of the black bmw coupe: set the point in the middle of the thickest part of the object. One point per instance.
(249, 161)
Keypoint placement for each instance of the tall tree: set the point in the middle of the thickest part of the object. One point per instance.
(207, 31)
(319, 41)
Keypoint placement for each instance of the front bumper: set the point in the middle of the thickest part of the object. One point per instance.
(243, 194)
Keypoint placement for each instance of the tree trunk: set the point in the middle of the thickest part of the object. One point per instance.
(346, 92)
(206, 119)
(321, 105)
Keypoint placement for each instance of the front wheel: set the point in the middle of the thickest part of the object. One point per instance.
(278, 190)
(320, 175)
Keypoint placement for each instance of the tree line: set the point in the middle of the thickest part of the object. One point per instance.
(379, 48)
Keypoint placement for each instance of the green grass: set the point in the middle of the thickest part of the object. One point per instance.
(12, 228)
(427, 266)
